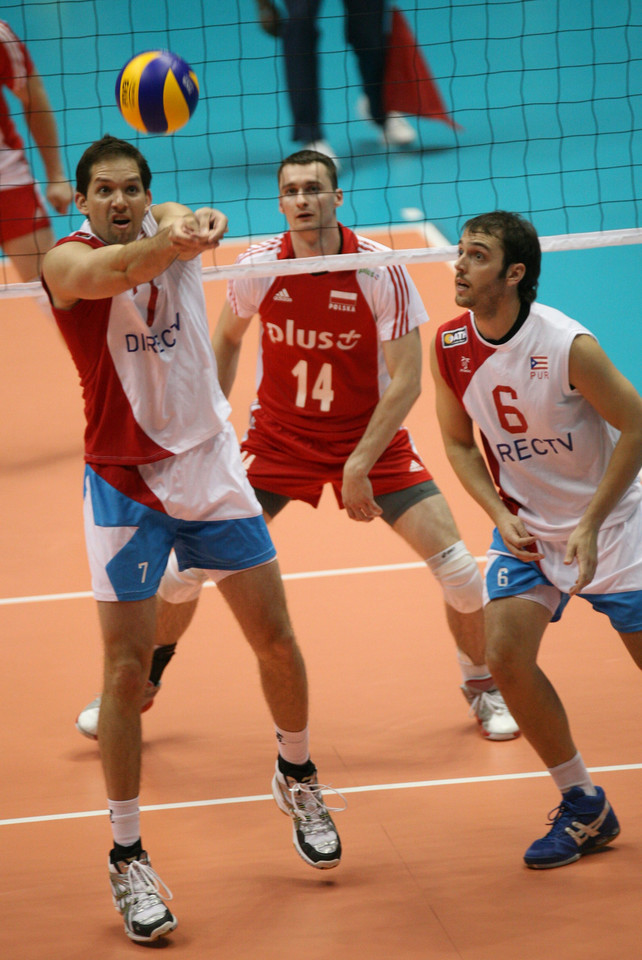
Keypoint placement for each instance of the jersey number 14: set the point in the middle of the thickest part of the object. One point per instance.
(321, 391)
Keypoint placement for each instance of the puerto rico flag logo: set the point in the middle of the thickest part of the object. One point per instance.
(539, 367)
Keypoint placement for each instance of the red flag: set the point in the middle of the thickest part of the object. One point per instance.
(408, 84)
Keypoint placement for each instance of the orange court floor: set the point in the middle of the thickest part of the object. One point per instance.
(437, 819)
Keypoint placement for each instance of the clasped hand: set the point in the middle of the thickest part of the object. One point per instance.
(198, 231)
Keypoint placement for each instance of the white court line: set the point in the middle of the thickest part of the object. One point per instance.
(371, 788)
(307, 575)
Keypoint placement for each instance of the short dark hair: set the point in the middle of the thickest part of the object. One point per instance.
(303, 157)
(106, 148)
(520, 243)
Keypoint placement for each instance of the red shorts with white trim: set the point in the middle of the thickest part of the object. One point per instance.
(23, 212)
(298, 466)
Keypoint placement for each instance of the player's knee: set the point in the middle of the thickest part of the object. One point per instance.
(274, 642)
(180, 586)
(504, 665)
(458, 574)
(125, 677)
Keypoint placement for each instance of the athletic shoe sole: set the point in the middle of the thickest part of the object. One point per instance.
(598, 845)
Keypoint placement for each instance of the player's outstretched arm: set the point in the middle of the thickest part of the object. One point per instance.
(76, 271)
(192, 232)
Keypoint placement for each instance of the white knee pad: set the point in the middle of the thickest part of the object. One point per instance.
(179, 586)
(459, 576)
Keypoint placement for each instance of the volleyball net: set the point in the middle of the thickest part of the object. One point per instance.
(545, 99)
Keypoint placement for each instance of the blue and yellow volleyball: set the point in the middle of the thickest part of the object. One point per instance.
(157, 92)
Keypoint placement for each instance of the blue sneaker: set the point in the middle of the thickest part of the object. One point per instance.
(581, 824)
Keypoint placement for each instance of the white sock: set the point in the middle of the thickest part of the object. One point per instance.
(470, 670)
(573, 773)
(125, 821)
(294, 747)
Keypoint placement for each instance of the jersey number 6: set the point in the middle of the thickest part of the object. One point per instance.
(511, 419)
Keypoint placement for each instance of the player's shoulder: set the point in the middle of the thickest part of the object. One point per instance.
(461, 322)
(264, 251)
(15, 60)
(555, 320)
(81, 238)
(368, 245)
(6, 33)
(383, 276)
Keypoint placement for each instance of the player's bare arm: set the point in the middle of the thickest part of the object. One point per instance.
(618, 402)
(468, 463)
(226, 343)
(76, 271)
(403, 361)
(42, 127)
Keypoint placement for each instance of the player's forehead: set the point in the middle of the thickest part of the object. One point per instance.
(477, 239)
(305, 175)
(115, 169)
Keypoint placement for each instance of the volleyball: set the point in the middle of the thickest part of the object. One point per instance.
(157, 92)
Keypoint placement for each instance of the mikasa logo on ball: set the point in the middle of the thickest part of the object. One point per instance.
(157, 92)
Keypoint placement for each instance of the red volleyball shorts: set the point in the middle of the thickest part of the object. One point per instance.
(22, 211)
(297, 467)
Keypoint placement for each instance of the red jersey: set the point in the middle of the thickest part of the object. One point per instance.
(321, 369)
(15, 67)
(145, 364)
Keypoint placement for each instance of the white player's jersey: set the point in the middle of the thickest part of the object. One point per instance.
(146, 364)
(546, 446)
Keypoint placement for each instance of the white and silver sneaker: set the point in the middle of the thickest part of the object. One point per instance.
(136, 892)
(492, 714)
(87, 719)
(314, 834)
(396, 131)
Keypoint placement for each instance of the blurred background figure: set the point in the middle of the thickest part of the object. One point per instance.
(366, 31)
(25, 228)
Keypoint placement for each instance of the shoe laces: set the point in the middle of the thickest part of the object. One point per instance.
(486, 703)
(145, 885)
(559, 817)
(556, 814)
(310, 807)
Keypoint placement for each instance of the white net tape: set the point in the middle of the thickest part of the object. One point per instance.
(354, 261)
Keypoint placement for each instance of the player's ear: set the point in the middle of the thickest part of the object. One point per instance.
(81, 201)
(148, 200)
(338, 197)
(515, 273)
